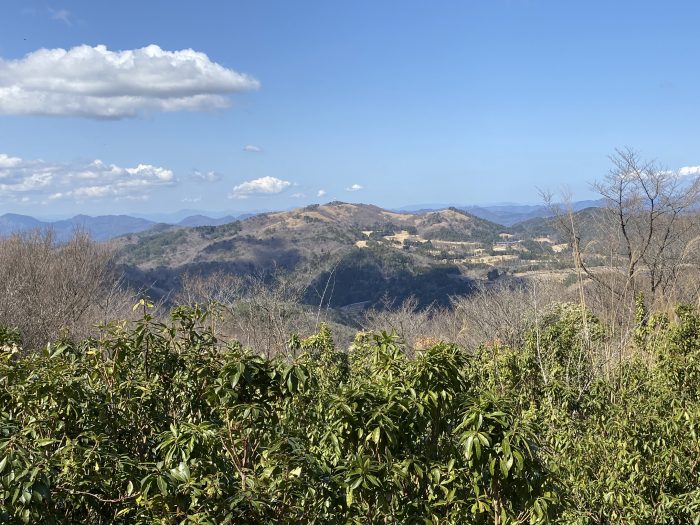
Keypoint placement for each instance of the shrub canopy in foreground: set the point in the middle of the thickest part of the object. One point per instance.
(155, 423)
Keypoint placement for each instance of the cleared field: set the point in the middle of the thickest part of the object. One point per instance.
(404, 235)
(466, 244)
(492, 259)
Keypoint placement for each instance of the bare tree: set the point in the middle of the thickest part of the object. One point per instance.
(47, 288)
(413, 325)
(647, 233)
(650, 207)
(501, 313)
(261, 310)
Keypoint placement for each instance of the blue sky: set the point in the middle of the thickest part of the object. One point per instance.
(391, 103)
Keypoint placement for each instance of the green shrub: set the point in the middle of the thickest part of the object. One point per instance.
(166, 423)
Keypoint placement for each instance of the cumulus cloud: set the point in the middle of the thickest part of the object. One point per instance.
(37, 179)
(206, 176)
(258, 187)
(689, 171)
(252, 149)
(321, 193)
(354, 187)
(95, 82)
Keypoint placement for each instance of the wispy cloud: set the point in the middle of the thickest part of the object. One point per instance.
(259, 187)
(355, 187)
(206, 176)
(191, 199)
(37, 179)
(95, 82)
(61, 14)
(321, 193)
(252, 149)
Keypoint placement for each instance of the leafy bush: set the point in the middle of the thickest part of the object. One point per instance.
(10, 336)
(166, 423)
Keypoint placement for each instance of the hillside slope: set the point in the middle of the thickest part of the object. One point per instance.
(285, 238)
(365, 246)
(590, 223)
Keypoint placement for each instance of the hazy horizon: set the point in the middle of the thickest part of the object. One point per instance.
(181, 213)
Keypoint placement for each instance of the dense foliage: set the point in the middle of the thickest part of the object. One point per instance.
(374, 272)
(165, 423)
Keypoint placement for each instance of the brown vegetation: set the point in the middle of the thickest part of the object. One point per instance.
(50, 290)
(261, 311)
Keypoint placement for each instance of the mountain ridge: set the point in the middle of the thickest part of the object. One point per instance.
(506, 214)
(107, 227)
(369, 250)
(100, 227)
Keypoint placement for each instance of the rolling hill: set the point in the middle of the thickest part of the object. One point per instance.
(368, 249)
(283, 238)
(589, 223)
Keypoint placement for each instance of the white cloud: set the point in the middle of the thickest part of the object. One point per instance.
(689, 171)
(206, 176)
(191, 199)
(252, 149)
(262, 186)
(9, 162)
(297, 195)
(20, 179)
(321, 193)
(96, 82)
(354, 187)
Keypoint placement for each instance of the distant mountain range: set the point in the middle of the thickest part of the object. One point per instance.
(178, 217)
(101, 228)
(506, 214)
(106, 227)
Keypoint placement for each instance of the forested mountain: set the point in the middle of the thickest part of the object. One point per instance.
(371, 250)
(289, 236)
(13, 222)
(589, 224)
